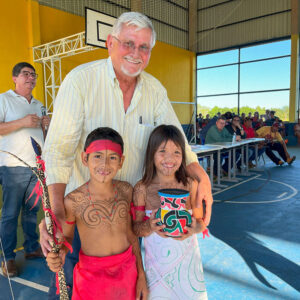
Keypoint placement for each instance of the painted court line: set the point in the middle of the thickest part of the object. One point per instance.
(29, 283)
(279, 198)
(233, 186)
(283, 194)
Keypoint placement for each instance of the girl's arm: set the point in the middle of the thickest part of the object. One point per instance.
(141, 285)
(143, 226)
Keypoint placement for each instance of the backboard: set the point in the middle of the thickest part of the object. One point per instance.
(97, 27)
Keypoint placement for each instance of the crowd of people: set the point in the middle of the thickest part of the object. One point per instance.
(229, 126)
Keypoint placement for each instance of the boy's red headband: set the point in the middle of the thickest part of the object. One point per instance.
(104, 145)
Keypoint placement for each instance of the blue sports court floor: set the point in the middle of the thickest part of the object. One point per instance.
(254, 247)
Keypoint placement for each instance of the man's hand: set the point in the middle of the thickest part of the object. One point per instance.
(141, 287)
(196, 227)
(203, 189)
(238, 138)
(45, 239)
(45, 122)
(31, 121)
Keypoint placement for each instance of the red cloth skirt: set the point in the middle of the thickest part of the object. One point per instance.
(106, 278)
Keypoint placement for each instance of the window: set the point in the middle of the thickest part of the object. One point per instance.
(248, 79)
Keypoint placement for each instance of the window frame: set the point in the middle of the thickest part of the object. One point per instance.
(239, 63)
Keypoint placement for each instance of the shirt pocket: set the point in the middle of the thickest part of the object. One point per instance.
(141, 135)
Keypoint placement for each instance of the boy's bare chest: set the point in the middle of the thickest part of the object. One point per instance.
(104, 213)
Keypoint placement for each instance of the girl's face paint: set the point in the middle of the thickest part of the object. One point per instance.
(167, 159)
(103, 165)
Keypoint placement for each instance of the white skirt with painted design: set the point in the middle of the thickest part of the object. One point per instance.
(174, 268)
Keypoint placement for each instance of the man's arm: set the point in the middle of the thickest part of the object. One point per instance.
(29, 121)
(56, 195)
(203, 190)
(60, 148)
(55, 261)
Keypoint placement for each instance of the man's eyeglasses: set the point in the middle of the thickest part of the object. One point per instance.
(131, 46)
(28, 74)
(236, 120)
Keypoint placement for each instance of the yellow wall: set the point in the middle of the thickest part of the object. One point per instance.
(35, 24)
(14, 42)
(172, 66)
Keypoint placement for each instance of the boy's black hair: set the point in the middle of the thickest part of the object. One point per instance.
(19, 66)
(104, 133)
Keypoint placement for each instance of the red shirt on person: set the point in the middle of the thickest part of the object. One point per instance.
(250, 132)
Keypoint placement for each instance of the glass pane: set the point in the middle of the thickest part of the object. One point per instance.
(221, 80)
(277, 101)
(265, 75)
(217, 59)
(266, 50)
(215, 104)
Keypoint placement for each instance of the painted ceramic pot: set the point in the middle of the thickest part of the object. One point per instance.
(172, 211)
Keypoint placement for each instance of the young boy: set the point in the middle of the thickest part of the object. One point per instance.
(110, 263)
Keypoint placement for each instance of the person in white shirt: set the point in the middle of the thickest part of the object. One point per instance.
(114, 92)
(20, 118)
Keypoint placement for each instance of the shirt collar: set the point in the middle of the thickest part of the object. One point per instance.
(33, 100)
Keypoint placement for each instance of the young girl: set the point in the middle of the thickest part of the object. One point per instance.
(173, 265)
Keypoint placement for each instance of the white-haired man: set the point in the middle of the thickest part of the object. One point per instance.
(113, 92)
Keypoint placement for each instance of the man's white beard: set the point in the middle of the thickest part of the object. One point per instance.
(127, 73)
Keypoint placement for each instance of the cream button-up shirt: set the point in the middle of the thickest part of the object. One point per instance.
(90, 97)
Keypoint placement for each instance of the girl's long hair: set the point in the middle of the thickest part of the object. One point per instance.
(163, 134)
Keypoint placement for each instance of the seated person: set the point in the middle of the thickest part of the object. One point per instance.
(297, 131)
(271, 118)
(110, 263)
(275, 142)
(281, 128)
(250, 133)
(205, 127)
(255, 119)
(243, 116)
(218, 133)
(228, 116)
(235, 127)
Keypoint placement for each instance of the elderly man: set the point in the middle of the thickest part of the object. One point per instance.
(275, 142)
(20, 118)
(113, 92)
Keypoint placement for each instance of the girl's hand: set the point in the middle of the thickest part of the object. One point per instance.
(196, 227)
(156, 228)
(55, 261)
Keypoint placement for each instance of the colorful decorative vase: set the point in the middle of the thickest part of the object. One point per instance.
(172, 211)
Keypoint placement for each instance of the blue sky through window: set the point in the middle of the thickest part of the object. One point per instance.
(269, 74)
